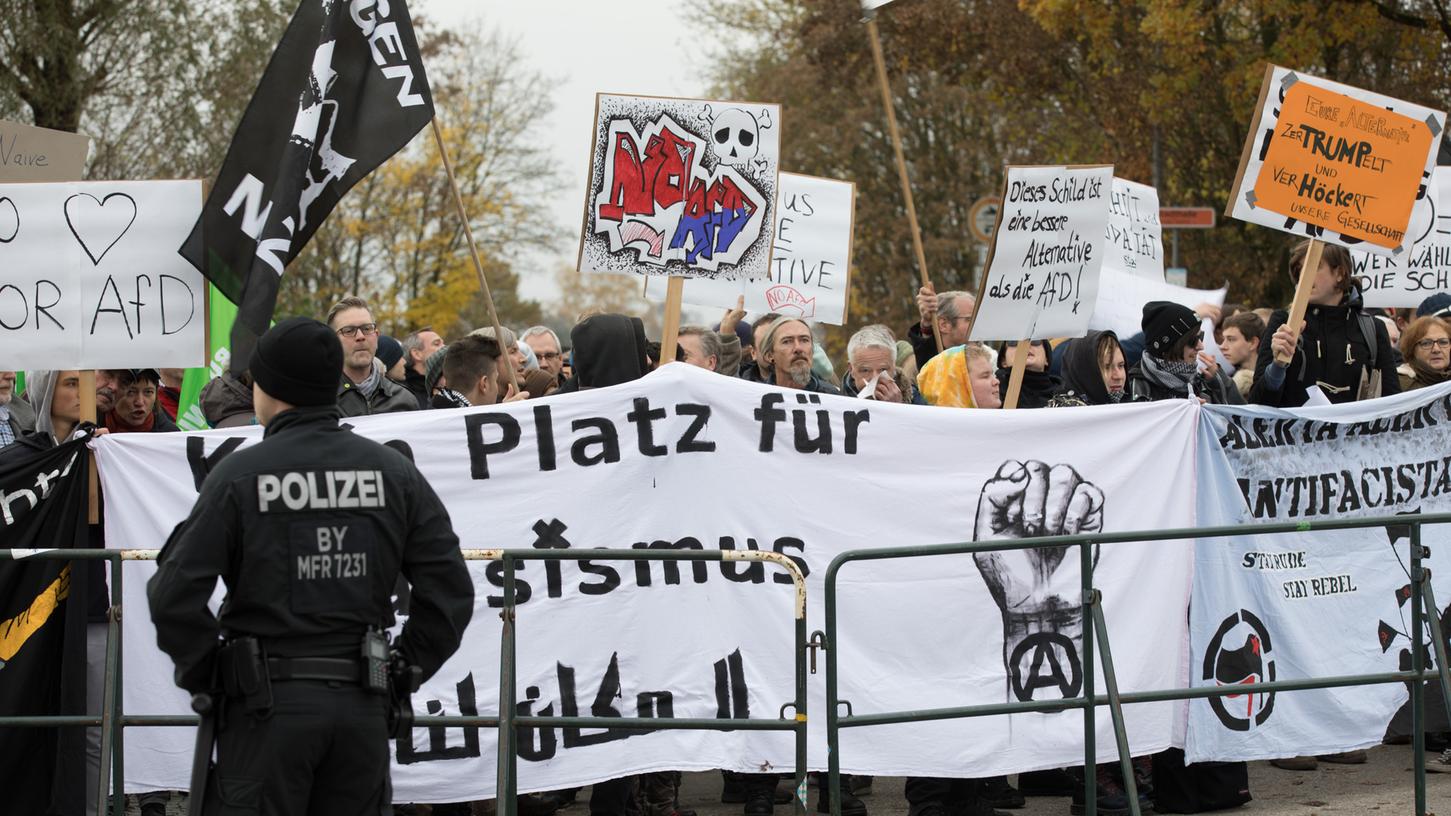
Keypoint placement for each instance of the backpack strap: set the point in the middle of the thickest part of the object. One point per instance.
(1367, 329)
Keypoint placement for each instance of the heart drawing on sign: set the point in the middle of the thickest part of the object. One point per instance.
(9, 220)
(98, 225)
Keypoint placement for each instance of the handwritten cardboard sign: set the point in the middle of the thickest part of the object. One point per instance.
(1135, 240)
(1425, 269)
(1042, 273)
(1336, 163)
(90, 276)
(810, 259)
(41, 154)
(681, 187)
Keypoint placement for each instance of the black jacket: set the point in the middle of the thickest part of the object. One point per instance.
(1039, 387)
(309, 530)
(1217, 390)
(609, 349)
(924, 344)
(1333, 352)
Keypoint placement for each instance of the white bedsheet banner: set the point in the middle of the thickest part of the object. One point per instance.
(1312, 604)
(689, 459)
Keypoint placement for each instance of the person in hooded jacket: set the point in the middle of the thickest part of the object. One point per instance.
(1094, 372)
(226, 401)
(1039, 384)
(1339, 348)
(609, 349)
(1173, 353)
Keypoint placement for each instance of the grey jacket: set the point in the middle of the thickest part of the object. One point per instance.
(22, 417)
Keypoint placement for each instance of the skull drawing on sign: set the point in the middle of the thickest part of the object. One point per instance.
(735, 135)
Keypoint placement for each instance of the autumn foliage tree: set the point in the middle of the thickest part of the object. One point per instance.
(1162, 89)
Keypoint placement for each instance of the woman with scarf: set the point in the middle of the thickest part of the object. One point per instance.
(1426, 345)
(1173, 353)
(1093, 371)
(961, 377)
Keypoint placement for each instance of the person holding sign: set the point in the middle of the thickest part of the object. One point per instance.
(1338, 347)
(1174, 364)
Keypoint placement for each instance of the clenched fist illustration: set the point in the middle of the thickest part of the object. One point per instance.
(1039, 591)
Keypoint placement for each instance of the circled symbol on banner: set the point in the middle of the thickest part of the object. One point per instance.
(1239, 654)
(1045, 660)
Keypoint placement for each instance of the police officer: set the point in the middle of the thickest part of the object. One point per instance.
(309, 529)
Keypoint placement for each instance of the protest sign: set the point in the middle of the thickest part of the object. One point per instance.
(40, 154)
(1042, 273)
(1406, 280)
(93, 278)
(1335, 163)
(810, 275)
(1135, 241)
(1266, 607)
(1119, 307)
(716, 639)
(681, 187)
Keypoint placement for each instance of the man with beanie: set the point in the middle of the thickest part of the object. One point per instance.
(1173, 356)
(310, 529)
(365, 388)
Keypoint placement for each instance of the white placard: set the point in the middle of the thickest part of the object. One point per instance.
(914, 633)
(1121, 298)
(90, 276)
(1042, 278)
(810, 259)
(1135, 240)
(1426, 269)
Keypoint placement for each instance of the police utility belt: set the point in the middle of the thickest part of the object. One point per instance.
(245, 672)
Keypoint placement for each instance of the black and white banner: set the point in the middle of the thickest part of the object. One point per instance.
(344, 91)
(1313, 604)
(42, 625)
(688, 459)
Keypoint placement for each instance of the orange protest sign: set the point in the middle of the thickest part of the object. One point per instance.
(1340, 163)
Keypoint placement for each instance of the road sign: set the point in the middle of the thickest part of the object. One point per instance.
(1186, 217)
(983, 217)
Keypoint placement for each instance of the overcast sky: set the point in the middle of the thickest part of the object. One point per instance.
(640, 47)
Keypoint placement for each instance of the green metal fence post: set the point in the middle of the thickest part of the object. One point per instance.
(833, 705)
(1418, 694)
(1090, 719)
(1115, 706)
(507, 785)
(109, 724)
(802, 735)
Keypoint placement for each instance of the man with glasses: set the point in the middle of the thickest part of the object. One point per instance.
(364, 389)
(948, 315)
(545, 344)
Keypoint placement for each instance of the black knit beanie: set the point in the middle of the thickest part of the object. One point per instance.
(299, 361)
(1164, 323)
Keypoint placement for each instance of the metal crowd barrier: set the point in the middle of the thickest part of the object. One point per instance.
(508, 722)
(1093, 622)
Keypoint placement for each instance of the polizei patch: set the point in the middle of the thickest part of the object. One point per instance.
(320, 490)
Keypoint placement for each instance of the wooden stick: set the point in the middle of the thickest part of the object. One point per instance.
(88, 414)
(463, 214)
(881, 64)
(1302, 292)
(1020, 367)
(674, 291)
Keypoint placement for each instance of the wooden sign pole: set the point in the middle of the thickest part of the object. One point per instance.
(1020, 367)
(674, 291)
(1302, 291)
(896, 138)
(88, 414)
(474, 253)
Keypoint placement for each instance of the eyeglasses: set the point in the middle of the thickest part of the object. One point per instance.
(352, 331)
(548, 355)
(1429, 343)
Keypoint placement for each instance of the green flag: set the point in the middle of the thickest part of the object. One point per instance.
(223, 313)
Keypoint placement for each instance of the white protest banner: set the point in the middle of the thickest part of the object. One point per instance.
(1314, 604)
(810, 274)
(1334, 162)
(1426, 269)
(681, 187)
(92, 278)
(1135, 240)
(31, 154)
(1121, 298)
(670, 461)
(1042, 273)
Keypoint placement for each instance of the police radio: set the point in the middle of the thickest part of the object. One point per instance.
(375, 661)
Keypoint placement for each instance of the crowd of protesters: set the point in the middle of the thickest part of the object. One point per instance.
(1344, 350)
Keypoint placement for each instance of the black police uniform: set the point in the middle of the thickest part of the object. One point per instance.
(309, 529)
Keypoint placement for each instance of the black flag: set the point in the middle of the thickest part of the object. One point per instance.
(43, 626)
(344, 90)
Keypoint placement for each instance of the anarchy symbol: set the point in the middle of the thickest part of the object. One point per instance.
(1045, 669)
